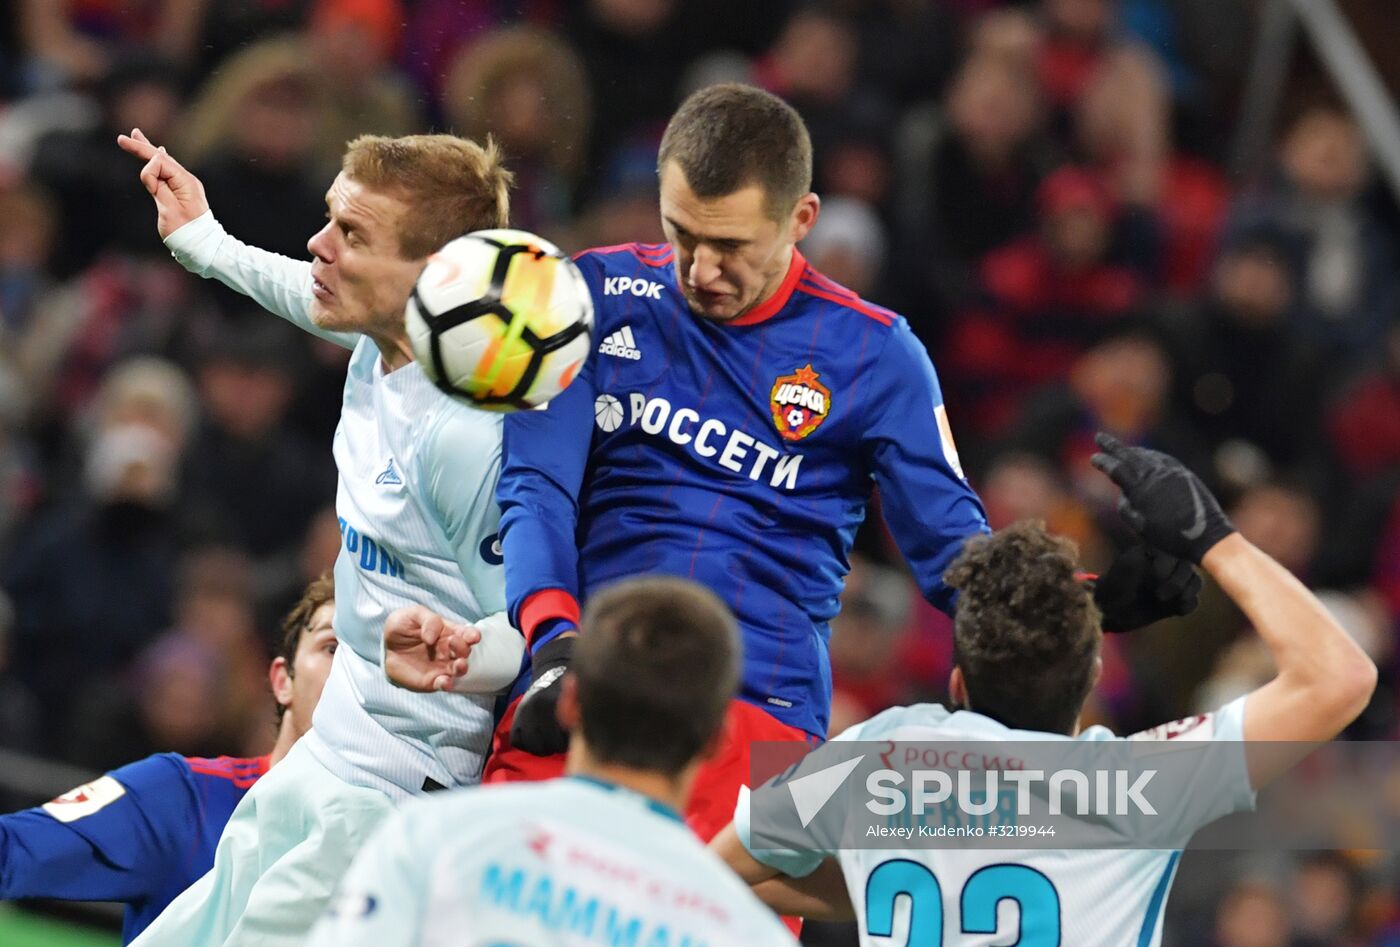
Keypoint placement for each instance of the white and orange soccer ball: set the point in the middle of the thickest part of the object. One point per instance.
(501, 318)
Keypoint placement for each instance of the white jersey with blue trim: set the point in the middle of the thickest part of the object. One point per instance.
(565, 863)
(419, 524)
(1032, 897)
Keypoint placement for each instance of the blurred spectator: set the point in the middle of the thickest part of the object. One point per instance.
(867, 675)
(1173, 204)
(1283, 520)
(27, 225)
(1082, 46)
(1344, 262)
(1252, 914)
(1022, 486)
(527, 88)
(352, 43)
(76, 41)
(437, 32)
(249, 480)
(173, 702)
(232, 25)
(906, 50)
(967, 177)
(215, 606)
(102, 209)
(250, 136)
(1047, 298)
(1119, 386)
(1363, 421)
(1242, 373)
(1386, 571)
(847, 244)
(634, 52)
(93, 576)
(19, 710)
(1324, 897)
(279, 586)
(813, 66)
(120, 307)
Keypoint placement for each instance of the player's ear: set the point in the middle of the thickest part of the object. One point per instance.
(567, 710)
(957, 688)
(804, 215)
(1098, 673)
(280, 677)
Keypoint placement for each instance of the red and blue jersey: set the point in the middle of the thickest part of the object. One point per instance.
(140, 834)
(741, 455)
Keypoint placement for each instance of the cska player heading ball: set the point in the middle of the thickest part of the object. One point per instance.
(501, 318)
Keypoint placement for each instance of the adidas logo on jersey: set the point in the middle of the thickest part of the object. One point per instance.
(623, 285)
(621, 345)
(389, 476)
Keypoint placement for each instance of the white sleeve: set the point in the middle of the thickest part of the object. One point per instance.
(1202, 762)
(495, 660)
(279, 284)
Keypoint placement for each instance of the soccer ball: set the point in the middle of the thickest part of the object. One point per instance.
(501, 318)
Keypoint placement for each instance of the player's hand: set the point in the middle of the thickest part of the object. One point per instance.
(423, 652)
(1143, 586)
(536, 728)
(178, 194)
(1166, 504)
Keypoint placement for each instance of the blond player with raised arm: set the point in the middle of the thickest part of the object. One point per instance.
(418, 518)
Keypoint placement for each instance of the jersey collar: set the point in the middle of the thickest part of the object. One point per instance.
(770, 306)
(660, 808)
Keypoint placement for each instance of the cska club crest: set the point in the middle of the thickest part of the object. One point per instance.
(800, 403)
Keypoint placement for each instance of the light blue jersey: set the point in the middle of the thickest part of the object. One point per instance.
(418, 524)
(972, 897)
(572, 862)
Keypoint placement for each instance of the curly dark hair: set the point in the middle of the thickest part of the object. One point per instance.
(1027, 632)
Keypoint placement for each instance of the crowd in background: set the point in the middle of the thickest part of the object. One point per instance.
(1042, 188)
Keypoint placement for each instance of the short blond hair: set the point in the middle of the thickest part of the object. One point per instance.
(451, 185)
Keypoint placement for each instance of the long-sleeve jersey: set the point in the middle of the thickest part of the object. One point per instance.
(418, 524)
(140, 834)
(568, 862)
(741, 455)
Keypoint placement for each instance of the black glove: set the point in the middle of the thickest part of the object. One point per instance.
(1145, 585)
(536, 728)
(1166, 504)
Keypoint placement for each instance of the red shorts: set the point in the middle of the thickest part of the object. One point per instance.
(716, 785)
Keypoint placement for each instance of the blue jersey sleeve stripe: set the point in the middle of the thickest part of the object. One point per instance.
(1154, 907)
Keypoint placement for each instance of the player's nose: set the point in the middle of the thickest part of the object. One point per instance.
(320, 245)
(704, 268)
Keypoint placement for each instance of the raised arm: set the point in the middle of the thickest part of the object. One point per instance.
(200, 244)
(1324, 679)
(178, 194)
